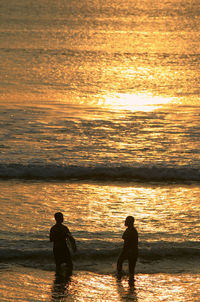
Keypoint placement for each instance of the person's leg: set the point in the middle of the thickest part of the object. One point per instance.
(57, 259)
(58, 267)
(69, 263)
(67, 260)
(132, 263)
(63, 256)
(120, 261)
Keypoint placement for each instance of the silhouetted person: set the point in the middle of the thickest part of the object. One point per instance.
(130, 248)
(59, 233)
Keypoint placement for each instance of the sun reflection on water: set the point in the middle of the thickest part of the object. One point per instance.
(135, 102)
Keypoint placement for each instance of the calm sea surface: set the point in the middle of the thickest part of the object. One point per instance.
(100, 119)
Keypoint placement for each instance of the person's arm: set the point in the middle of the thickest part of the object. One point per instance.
(71, 239)
(51, 235)
(124, 236)
(72, 243)
(136, 237)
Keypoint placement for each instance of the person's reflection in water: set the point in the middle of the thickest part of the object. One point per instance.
(129, 292)
(60, 287)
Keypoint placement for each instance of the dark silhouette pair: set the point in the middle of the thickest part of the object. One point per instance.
(60, 234)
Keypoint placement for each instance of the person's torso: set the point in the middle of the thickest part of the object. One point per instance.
(59, 234)
(130, 237)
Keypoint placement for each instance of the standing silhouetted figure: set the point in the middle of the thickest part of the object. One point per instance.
(130, 248)
(59, 233)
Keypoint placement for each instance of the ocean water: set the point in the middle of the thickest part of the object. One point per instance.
(100, 119)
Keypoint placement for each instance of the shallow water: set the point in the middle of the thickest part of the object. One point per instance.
(37, 285)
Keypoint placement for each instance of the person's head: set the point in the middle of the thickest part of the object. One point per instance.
(59, 217)
(129, 221)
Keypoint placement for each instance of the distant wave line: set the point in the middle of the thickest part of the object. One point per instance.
(99, 172)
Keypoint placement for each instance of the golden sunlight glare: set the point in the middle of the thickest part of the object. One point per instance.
(133, 102)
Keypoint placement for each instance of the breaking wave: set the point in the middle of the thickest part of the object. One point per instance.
(150, 251)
